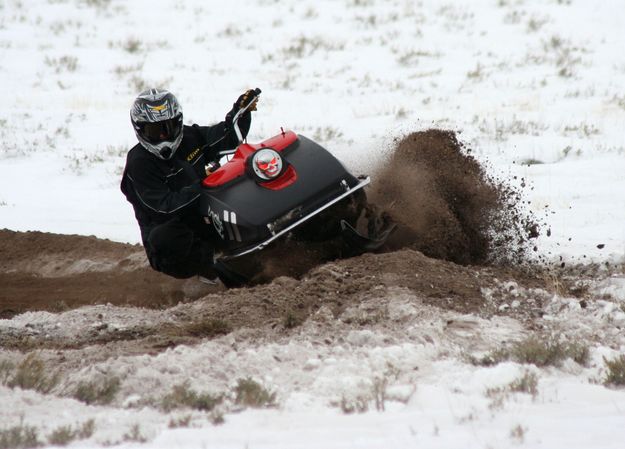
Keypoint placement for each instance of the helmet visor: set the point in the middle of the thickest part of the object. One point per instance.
(166, 130)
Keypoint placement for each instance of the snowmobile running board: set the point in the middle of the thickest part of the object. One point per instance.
(365, 181)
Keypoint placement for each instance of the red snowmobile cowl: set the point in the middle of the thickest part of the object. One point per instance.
(237, 165)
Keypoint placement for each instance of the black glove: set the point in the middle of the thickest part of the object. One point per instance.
(245, 99)
(242, 102)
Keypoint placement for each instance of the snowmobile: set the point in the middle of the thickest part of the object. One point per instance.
(284, 188)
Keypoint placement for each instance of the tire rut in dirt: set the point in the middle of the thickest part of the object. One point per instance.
(54, 272)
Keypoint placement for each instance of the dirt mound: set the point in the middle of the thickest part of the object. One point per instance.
(281, 304)
(447, 206)
(191, 311)
(42, 271)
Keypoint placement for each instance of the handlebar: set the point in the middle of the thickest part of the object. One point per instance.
(242, 111)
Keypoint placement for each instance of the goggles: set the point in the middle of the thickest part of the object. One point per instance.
(166, 130)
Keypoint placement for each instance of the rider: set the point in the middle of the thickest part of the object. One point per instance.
(163, 174)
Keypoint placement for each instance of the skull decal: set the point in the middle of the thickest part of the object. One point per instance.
(267, 164)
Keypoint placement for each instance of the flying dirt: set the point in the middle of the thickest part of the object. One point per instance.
(448, 207)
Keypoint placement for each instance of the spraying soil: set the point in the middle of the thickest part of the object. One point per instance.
(448, 207)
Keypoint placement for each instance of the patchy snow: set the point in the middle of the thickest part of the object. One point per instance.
(536, 90)
(409, 373)
(612, 287)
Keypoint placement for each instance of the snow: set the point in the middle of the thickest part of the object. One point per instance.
(521, 80)
(441, 404)
(431, 395)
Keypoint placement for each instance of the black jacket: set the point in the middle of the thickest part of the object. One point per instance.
(160, 190)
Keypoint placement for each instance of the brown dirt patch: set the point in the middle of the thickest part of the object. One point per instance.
(42, 271)
(281, 304)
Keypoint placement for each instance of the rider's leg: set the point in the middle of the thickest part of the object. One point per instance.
(174, 249)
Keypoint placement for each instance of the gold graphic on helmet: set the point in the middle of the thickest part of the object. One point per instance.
(159, 107)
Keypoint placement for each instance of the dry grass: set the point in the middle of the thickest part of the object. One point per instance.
(537, 351)
(18, 437)
(553, 281)
(379, 387)
(6, 370)
(615, 371)
(132, 45)
(183, 396)
(98, 392)
(23, 436)
(216, 417)
(103, 4)
(527, 383)
(359, 404)
(182, 421)
(207, 328)
(377, 396)
(517, 433)
(549, 352)
(64, 435)
(135, 435)
(61, 436)
(63, 64)
(32, 374)
(252, 394)
(492, 358)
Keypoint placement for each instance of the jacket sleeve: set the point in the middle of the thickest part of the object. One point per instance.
(152, 191)
(221, 137)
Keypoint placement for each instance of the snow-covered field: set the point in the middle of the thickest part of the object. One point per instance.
(535, 89)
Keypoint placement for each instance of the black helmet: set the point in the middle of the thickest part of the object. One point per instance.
(156, 117)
